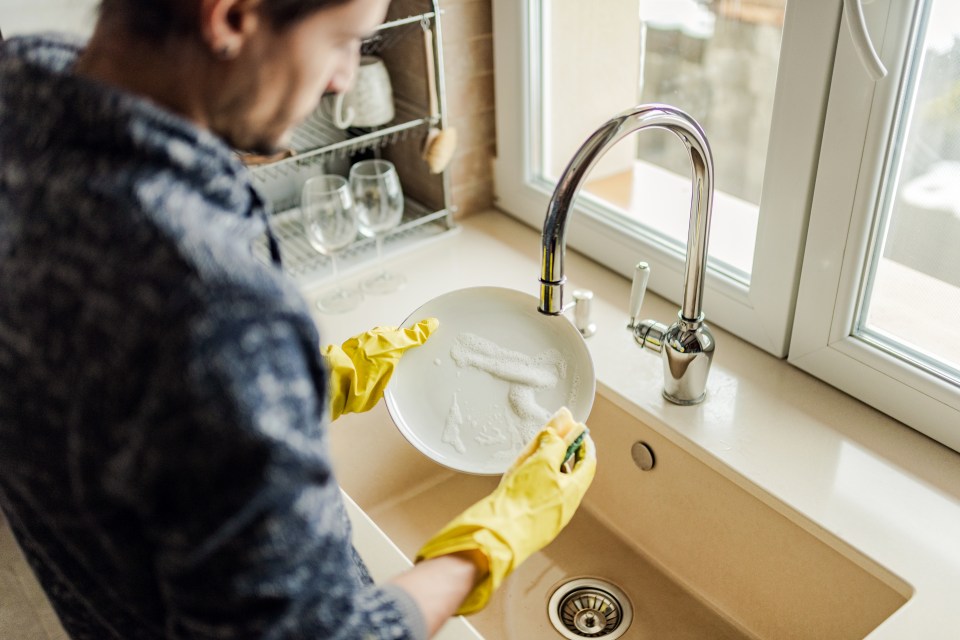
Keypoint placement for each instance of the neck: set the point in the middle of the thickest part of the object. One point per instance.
(172, 73)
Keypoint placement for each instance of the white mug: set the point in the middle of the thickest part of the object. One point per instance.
(368, 103)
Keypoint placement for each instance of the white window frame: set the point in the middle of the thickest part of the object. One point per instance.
(762, 312)
(856, 151)
(829, 142)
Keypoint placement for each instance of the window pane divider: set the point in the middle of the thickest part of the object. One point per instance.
(858, 154)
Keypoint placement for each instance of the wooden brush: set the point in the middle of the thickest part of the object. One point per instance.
(440, 144)
(256, 160)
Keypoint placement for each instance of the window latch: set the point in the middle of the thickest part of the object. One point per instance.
(861, 39)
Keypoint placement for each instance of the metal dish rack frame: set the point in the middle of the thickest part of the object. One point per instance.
(317, 142)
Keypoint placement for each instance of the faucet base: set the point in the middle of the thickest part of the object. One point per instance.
(686, 349)
(684, 402)
(687, 355)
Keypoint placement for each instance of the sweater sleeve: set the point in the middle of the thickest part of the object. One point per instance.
(236, 493)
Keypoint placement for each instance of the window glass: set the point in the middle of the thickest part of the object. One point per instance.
(717, 60)
(911, 298)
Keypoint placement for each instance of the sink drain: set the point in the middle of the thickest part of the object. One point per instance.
(590, 608)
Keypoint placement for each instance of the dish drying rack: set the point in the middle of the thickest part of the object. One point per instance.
(319, 146)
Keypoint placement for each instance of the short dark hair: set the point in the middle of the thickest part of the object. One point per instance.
(158, 19)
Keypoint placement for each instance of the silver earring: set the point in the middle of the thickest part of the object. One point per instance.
(226, 52)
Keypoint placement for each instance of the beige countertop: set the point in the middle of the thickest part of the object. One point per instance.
(887, 491)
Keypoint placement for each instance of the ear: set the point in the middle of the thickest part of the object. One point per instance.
(226, 25)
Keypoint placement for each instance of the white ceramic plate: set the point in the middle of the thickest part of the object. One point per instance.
(488, 378)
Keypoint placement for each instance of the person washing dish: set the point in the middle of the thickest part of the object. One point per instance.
(163, 458)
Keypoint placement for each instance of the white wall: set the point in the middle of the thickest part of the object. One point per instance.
(30, 16)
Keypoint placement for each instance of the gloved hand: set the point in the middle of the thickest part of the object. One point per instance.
(532, 504)
(361, 367)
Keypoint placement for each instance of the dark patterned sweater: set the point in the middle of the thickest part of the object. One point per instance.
(163, 462)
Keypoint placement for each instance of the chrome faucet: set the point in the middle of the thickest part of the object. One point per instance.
(687, 345)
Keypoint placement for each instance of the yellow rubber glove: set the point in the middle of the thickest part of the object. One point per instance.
(361, 367)
(532, 504)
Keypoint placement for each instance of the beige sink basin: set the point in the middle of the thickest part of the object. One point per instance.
(697, 553)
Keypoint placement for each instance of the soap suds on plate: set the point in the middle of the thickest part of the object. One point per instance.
(451, 428)
(574, 389)
(522, 416)
(490, 435)
(539, 371)
(523, 402)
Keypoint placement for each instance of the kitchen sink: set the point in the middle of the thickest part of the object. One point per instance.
(685, 549)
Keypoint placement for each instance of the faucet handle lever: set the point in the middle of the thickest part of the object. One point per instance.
(582, 303)
(641, 275)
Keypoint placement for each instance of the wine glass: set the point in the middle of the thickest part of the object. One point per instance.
(330, 222)
(379, 201)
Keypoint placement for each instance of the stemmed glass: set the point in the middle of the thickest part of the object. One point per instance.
(330, 222)
(378, 198)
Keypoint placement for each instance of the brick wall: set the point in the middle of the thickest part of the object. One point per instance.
(468, 67)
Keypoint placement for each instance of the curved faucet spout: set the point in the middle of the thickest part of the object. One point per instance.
(701, 204)
(686, 346)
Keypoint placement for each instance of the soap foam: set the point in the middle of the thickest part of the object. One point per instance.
(540, 371)
(532, 416)
(574, 390)
(525, 375)
(451, 428)
(490, 435)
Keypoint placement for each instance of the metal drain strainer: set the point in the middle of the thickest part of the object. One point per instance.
(590, 608)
